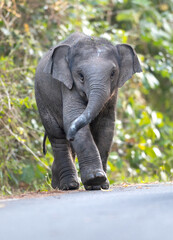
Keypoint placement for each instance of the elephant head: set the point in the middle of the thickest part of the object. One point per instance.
(96, 68)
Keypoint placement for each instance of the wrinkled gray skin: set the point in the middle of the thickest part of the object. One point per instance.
(76, 88)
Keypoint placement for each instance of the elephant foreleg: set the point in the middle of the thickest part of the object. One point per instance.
(102, 129)
(64, 174)
(90, 164)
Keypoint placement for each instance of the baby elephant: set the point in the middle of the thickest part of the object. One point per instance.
(76, 87)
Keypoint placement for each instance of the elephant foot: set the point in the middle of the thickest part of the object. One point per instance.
(64, 177)
(72, 185)
(105, 185)
(93, 177)
(67, 183)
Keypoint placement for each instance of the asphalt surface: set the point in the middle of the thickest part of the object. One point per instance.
(124, 213)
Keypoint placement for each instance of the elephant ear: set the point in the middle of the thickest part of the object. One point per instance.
(129, 63)
(57, 65)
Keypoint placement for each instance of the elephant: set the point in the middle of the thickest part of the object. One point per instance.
(76, 87)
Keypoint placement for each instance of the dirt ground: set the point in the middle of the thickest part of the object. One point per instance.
(39, 194)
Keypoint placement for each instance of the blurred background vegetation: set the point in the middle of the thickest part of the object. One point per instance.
(143, 144)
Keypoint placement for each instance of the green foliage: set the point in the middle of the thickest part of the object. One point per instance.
(143, 144)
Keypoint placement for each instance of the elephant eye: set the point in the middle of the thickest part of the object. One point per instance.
(81, 76)
(112, 74)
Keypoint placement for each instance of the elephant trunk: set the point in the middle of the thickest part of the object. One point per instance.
(97, 98)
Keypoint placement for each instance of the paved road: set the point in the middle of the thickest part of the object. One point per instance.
(132, 213)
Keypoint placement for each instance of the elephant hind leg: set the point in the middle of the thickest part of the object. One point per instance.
(44, 143)
(73, 154)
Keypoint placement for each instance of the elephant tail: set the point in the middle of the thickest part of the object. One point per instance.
(44, 143)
